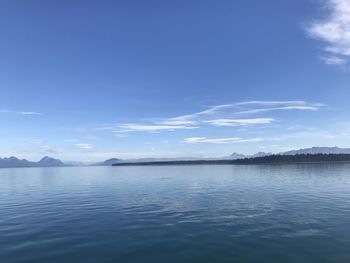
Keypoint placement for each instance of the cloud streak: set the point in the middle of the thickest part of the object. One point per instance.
(217, 116)
(334, 32)
(254, 106)
(134, 127)
(197, 140)
(240, 122)
(28, 113)
(20, 112)
(83, 146)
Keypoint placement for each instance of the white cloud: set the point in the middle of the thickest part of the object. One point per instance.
(71, 140)
(333, 60)
(83, 146)
(20, 112)
(310, 108)
(28, 113)
(272, 102)
(35, 141)
(130, 127)
(210, 111)
(334, 31)
(47, 149)
(121, 135)
(196, 140)
(174, 121)
(218, 115)
(240, 122)
(83, 133)
(254, 106)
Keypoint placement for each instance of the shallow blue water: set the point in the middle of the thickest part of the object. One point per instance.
(218, 213)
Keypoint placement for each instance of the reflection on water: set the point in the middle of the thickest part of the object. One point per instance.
(219, 213)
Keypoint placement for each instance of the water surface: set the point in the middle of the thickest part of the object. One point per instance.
(216, 213)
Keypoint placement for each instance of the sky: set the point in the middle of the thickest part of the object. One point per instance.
(91, 80)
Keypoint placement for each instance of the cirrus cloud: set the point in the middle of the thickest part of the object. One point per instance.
(217, 116)
(196, 140)
(334, 32)
(240, 122)
(83, 146)
(135, 127)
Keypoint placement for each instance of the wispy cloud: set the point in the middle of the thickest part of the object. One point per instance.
(271, 102)
(20, 112)
(251, 107)
(218, 116)
(196, 140)
(48, 149)
(71, 140)
(83, 133)
(333, 60)
(131, 127)
(208, 112)
(175, 121)
(83, 146)
(259, 110)
(35, 141)
(239, 122)
(120, 135)
(254, 106)
(334, 31)
(29, 113)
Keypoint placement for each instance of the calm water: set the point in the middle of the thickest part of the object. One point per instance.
(291, 213)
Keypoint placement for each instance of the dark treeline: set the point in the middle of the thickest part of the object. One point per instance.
(270, 159)
(298, 158)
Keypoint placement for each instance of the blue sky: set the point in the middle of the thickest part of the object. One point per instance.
(90, 80)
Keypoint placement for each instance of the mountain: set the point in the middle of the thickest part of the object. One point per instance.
(109, 162)
(50, 162)
(44, 162)
(319, 150)
(269, 159)
(235, 156)
(260, 154)
(14, 162)
(312, 150)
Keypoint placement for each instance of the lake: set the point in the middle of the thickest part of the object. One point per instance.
(203, 213)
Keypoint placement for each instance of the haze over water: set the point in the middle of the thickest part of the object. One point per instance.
(262, 213)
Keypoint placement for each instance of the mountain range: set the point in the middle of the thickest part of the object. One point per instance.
(44, 162)
(52, 162)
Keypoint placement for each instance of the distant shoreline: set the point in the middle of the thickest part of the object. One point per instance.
(271, 159)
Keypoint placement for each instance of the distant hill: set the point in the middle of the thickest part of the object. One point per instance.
(14, 162)
(108, 162)
(318, 150)
(52, 162)
(269, 159)
(260, 154)
(296, 158)
(49, 162)
(234, 156)
(44, 162)
(312, 150)
(146, 160)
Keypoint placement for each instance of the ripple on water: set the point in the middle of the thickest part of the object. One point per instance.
(176, 214)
